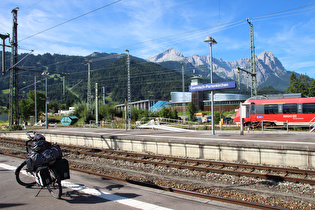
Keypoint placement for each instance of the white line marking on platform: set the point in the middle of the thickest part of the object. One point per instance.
(8, 167)
(101, 194)
(108, 196)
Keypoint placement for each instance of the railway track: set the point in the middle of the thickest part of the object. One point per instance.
(274, 173)
(278, 174)
(184, 192)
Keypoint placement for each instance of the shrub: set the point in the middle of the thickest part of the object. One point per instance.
(14, 127)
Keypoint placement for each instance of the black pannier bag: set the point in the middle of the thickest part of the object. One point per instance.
(43, 177)
(52, 154)
(34, 160)
(62, 168)
(39, 136)
(49, 155)
(56, 151)
(41, 145)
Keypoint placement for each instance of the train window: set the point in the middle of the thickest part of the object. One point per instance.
(271, 109)
(309, 108)
(258, 109)
(289, 108)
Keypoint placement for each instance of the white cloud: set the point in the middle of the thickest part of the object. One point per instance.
(130, 24)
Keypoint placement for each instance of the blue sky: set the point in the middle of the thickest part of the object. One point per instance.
(147, 27)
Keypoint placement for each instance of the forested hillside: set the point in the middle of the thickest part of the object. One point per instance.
(148, 80)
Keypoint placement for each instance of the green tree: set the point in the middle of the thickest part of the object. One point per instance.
(108, 112)
(53, 106)
(80, 110)
(144, 113)
(166, 113)
(3, 110)
(175, 114)
(217, 117)
(312, 89)
(304, 83)
(27, 106)
(192, 109)
(293, 88)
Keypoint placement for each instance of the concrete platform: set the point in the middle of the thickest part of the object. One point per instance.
(84, 191)
(280, 148)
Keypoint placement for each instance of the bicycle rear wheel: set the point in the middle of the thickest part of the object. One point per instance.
(55, 187)
(23, 176)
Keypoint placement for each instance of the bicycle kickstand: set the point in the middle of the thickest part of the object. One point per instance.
(39, 191)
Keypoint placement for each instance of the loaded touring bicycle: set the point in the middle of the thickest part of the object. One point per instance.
(43, 165)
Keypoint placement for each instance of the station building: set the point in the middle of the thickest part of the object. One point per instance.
(143, 104)
(201, 99)
(222, 101)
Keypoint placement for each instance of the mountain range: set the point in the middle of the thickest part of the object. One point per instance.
(154, 77)
(270, 71)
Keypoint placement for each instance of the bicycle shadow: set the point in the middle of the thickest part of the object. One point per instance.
(79, 197)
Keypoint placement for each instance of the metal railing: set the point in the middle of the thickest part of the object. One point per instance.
(312, 125)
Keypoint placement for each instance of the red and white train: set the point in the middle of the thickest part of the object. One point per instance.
(294, 111)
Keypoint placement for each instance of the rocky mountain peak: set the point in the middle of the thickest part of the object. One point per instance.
(266, 57)
(168, 55)
(267, 65)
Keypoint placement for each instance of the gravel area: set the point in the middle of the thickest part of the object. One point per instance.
(283, 194)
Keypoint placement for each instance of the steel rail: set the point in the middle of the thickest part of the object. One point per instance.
(179, 191)
(236, 172)
(277, 178)
(207, 162)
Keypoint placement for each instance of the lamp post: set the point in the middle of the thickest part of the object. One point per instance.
(46, 99)
(129, 94)
(96, 104)
(35, 99)
(211, 41)
(89, 103)
(183, 90)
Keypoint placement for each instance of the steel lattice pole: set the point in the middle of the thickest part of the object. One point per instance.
(129, 92)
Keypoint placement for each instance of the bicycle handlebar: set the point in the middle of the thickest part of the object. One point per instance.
(30, 139)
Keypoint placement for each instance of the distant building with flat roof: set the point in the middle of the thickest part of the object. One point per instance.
(222, 101)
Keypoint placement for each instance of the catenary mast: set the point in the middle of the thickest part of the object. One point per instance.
(252, 61)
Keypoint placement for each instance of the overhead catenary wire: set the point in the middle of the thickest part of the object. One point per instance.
(72, 19)
(200, 31)
(284, 11)
(218, 28)
(177, 34)
(211, 30)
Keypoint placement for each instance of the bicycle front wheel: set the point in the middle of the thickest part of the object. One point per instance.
(23, 176)
(55, 187)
